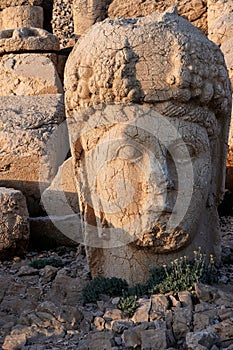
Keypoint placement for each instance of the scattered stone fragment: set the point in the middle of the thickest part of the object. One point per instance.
(142, 312)
(14, 223)
(131, 339)
(201, 340)
(154, 339)
(97, 341)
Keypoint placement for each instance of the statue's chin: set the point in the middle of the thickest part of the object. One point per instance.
(161, 240)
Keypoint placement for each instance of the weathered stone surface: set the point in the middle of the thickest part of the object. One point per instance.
(61, 196)
(142, 312)
(12, 3)
(62, 22)
(15, 341)
(28, 74)
(154, 339)
(201, 340)
(205, 315)
(86, 13)
(14, 223)
(195, 10)
(131, 338)
(27, 123)
(27, 39)
(97, 341)
(21, 16)
(217, 8)
(182, 321)
(221, 30)
(65, 289)
(117, 78)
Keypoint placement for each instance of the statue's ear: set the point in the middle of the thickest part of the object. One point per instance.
(219, 147)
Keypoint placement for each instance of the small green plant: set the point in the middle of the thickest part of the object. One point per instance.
(182, 274)
(128, 305)
(100, 285)
(42, 262)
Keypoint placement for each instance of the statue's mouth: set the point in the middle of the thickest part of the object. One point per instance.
(163, 240)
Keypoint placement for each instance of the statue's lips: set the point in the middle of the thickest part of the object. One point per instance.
(162, 240)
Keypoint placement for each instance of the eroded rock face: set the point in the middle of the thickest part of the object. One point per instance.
(14, 223)
(220, 17)
(86, 13)
(216, 8)
(61, 196)
(27, 123)
(11, 3)
(21, 16)
(27, 39)
(146, 117)
(28, 74)
(195, 10)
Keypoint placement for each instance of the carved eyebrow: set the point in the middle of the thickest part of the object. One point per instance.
(189, 112)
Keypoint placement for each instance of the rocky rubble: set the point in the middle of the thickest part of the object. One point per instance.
(42, 309)
(62, 22)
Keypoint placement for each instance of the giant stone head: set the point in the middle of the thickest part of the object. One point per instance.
(148, 109)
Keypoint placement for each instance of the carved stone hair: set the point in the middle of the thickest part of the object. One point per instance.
(148, 61)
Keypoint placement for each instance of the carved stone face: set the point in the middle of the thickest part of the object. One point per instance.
(149, 178)
(148, 107)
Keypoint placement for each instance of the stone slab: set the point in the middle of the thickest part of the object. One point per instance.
(27, 124)
(28, 74)
(27, 39)
(21, 16)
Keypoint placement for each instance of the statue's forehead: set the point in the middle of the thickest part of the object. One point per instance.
(130, 133)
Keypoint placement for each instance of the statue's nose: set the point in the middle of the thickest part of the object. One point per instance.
(160, 179)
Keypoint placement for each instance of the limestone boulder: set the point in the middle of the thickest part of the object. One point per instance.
(28, 152)
(201, 340)
(21, 16)
(217, 8)
(27, 39)
(14, 223)
(28, 74)
(195, 10)
(12, 3)
(221, 30)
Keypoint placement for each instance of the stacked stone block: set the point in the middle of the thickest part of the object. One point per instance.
(220, 19)
(31, 102)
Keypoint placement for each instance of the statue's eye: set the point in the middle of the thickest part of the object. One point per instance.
(182, 152)
(129, 152)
